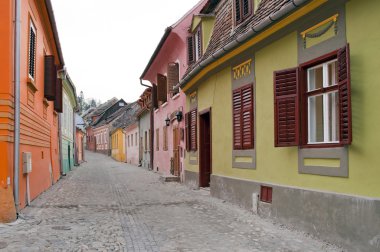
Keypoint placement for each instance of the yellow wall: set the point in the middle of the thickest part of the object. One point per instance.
(280, 165)
(118, 145)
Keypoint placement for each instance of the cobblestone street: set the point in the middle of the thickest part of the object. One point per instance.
(108, 206)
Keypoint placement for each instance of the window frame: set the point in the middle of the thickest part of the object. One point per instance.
(32, 27)
(243, 17)
(304, 140)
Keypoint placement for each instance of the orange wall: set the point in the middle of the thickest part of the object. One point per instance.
(39, 135)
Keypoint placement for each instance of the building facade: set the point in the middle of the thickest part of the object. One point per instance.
(118, 145)
(68, 133)
(164, 70)
(132, 137)
(281, 112)
(145, 126)
(40, 103)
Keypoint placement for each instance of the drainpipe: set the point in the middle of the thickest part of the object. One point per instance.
(151, 126)
(17, 65)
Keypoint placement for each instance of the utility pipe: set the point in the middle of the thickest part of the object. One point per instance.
(17, 65)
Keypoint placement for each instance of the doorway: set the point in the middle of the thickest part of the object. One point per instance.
(205, 169)
(176, 144)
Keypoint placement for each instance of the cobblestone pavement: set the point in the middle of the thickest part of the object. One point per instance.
(108, 206)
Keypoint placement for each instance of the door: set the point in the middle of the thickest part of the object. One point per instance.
(69, 157)
(205, 149)
(176, 171)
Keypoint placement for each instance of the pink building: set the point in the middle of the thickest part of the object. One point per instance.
(164, 70)
(132, 143)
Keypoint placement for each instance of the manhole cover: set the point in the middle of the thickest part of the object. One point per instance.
(3, 245)
(61, 228)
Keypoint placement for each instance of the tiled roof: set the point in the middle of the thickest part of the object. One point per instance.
(224, 31)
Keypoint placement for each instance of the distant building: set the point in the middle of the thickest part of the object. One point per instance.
(145, 133)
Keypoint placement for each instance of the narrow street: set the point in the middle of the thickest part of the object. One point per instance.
(108, 206)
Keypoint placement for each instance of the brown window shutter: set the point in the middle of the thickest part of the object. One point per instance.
(344, 83)
(237, 123)
(161, 88)
(286, 104)
(247, 117)
(193, 129)
(58, 107)
(237, 11)
(246, 8)
(187, 129)
(190, 49)
(50, 77)
(243, 122)
(173, 76)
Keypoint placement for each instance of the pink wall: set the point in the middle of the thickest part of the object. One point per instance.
(162, 158)
(174, 49)
(132, 150)
(102, 136)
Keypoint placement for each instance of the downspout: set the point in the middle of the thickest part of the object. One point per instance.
(151, 125)
(17, 66)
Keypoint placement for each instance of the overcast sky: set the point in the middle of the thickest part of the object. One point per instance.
(106, 44)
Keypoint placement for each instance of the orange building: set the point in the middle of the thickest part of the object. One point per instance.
(40, 91)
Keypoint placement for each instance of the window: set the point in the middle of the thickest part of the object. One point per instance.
(191, 130)
(136, 138)
(165, 138)
(194, 45)
(157, 139)
(32, 51)
(128, 142)
(132, 140)
(243, 122)
(243, 9)
(323, 87)
(266, 194)
(323, 103)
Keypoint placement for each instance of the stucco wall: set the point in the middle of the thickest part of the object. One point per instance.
(132, 151)
(144, 126)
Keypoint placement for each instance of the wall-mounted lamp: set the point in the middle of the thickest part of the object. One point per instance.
(179, 114)
(167, 121)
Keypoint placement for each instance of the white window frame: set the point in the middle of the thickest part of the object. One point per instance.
(326, 105)
(33, 28)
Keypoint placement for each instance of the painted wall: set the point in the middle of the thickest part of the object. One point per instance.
(101, 135)
(67, 129)
(162, 157)
(280, 165)
(144, 128)
(39, 133)
(79, 139)
(118, 145)
(132, 149)
(90, 139)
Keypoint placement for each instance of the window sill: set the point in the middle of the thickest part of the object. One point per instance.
(31, 85)
(164, 105)
(322, 145)
(175, 97)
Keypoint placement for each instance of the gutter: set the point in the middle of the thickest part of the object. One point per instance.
(17, 66)
(265, 23)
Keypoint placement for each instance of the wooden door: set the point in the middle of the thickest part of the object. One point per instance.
(176, 143)
(205, 149)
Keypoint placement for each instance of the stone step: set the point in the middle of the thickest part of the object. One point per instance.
(169, 178)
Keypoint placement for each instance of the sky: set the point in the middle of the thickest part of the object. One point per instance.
(106, 44)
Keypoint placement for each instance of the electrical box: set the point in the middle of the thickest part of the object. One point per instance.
(27, 162)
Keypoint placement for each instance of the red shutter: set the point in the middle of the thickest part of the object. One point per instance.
(50, 77)
(173, 76)
(58, 106)
(344, 95)
(193, 130)
(242, 103)
(161, 88)
(237, 123)
(247, 116)
(286, 105)
(190, 49)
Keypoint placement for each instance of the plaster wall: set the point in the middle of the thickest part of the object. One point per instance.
(144, 128)
(118, 145)
(132, 150)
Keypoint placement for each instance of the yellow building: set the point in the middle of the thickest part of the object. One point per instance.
(282, 113)
(118, 145)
